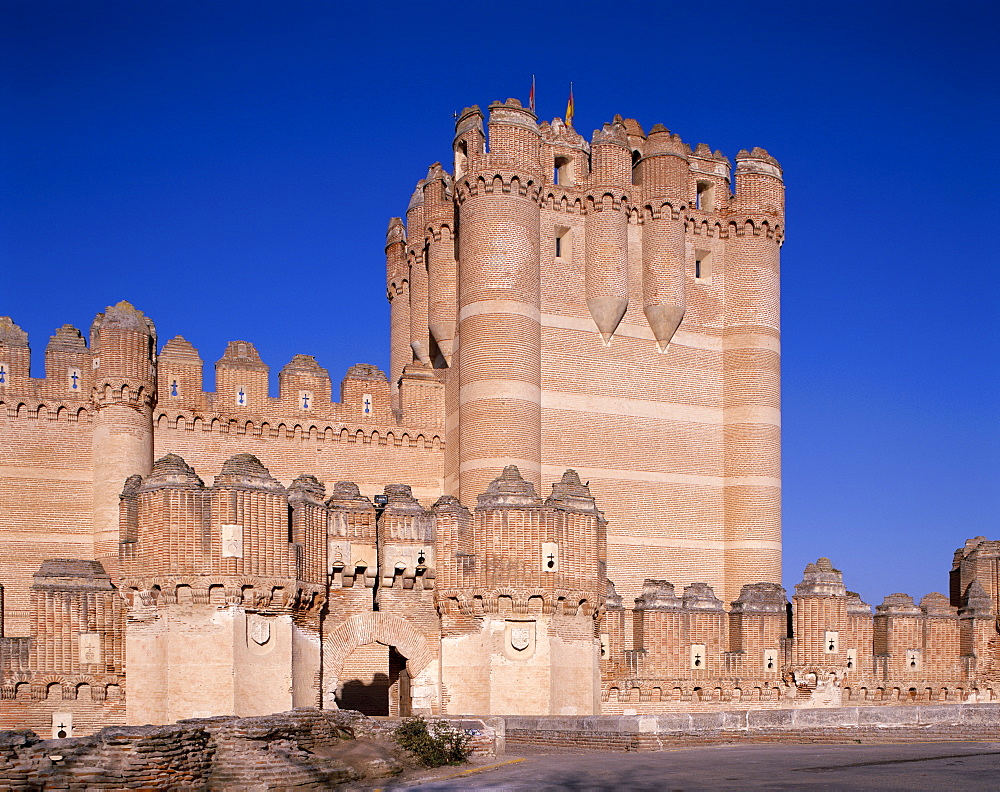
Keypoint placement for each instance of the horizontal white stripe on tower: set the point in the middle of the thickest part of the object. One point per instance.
(515, 307)
(500, 389)
(696, 544)
(628, 330)
(656, 477)
(41, 474)
(498, 464)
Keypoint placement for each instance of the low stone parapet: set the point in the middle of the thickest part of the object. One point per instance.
(487, 734)
(837, 725)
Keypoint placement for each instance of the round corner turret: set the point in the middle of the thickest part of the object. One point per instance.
(759, 182)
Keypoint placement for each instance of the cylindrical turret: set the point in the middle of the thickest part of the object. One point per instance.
(249, 521)
(758, 182)
(499, 330)
(664, 173)
(751, 375)
(397, 291)
(123, 342)
(442, 269)
(611, 155)
(664, 165)
(606, 231)
(606, 228)
(514, 134)
(308, 528)
(417, 264)
(180, 542)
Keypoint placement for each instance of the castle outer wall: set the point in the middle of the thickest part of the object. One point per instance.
(606, 305)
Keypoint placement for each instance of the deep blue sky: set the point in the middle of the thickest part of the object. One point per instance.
(230, 167)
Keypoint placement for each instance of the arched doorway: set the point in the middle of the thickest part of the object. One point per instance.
(370, 664)
(374, 680)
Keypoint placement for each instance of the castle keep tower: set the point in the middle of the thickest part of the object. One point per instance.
(610, 305)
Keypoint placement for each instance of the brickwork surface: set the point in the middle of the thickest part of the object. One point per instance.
(563, 498)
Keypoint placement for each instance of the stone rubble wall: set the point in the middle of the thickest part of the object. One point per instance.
(269, 752)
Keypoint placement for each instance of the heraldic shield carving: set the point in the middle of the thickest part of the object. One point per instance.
(259, 630)
(520, 638)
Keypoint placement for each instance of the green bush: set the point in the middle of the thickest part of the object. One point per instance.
(434, 744)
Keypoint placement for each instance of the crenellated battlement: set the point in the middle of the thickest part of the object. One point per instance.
(131, 374)
(834, 651)
(556, 133)
(11, 335)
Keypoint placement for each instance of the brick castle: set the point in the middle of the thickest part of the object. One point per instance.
(582, 404)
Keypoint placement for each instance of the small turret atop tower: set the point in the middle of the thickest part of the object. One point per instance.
(759, 182)
(710, 174)
(514, 136)
(565, 154)
(395, 236)
(663, 170)
(436, 187)
(821, 580)
(469, 138)
(611, 155)
(123, 342)
(510, 490)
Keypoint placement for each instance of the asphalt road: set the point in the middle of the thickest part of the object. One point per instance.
(941, 767)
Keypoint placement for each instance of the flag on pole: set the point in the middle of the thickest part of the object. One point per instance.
(570, 107)
(531, 96)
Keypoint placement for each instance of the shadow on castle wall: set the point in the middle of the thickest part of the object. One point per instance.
(370, 699)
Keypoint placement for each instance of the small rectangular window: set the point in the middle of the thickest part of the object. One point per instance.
(703, 266)
(705, 198)
(563, 172)
(563, 243)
